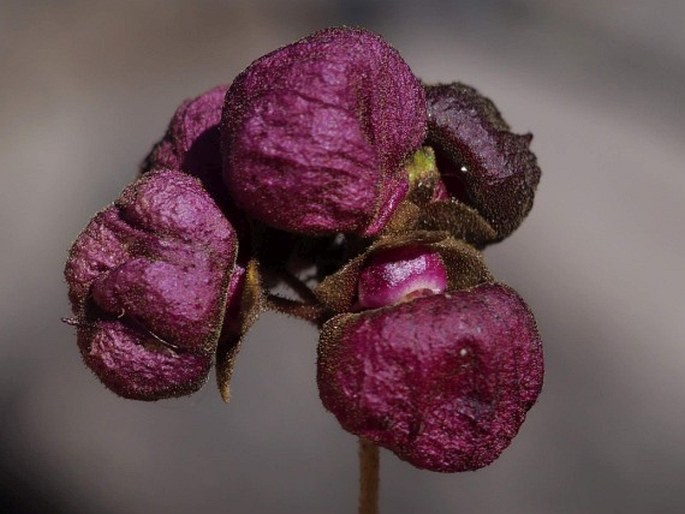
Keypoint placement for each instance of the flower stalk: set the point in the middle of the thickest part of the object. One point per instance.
(369, 477)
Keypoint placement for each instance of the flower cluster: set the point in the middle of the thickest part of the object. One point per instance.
(326, 167)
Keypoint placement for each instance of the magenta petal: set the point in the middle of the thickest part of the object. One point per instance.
(136, 365)
(147, 280)
(444, 381)
(174, 206)
(315, 133)
(177, 300)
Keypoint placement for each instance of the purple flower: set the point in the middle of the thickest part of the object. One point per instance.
(442, 366)
(315, 134)
(421, 351)
(147, 280)
(444, 381)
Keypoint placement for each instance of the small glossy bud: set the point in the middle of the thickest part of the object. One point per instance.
(443, 381)
(147, 281)
(315, 133)
(399, 274)
(400, 267)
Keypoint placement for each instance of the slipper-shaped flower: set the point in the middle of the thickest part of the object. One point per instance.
(444, 381)
(315, 134)
(148, 280)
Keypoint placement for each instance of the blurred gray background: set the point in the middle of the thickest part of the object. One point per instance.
(86, 87)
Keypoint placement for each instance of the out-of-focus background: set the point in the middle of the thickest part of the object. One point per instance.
(87, 86)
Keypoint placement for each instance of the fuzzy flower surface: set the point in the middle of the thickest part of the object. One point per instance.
(147, 282)
(328, 169)
(482, 163)
(315, 133)
(191, 142)
(444, 381)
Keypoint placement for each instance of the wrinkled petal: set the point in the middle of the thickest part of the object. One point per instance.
(444, 381)
(147, 281)
(137, 365)
(315, 133)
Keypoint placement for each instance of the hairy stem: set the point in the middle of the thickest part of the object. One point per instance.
(368, 477)
(298, 286)
(314, 313)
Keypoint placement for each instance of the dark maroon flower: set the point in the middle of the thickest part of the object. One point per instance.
(315, 134)
(444, 381)
(147, 282)
(481, 162)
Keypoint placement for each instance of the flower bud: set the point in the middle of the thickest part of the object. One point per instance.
(443, 381)
(147, 281)
(399, 274)
(481, 162)
(400, 267)
(314, 134)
